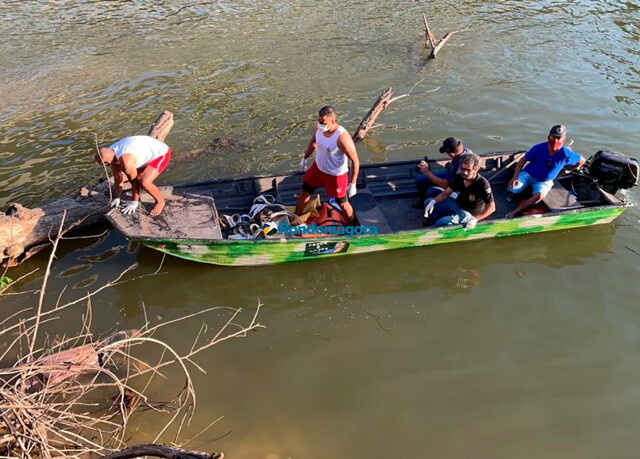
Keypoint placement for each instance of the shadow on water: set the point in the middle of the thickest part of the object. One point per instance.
(85, 264)
(453, 269)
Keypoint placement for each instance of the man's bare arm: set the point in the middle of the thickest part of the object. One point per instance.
(345, 143)
(128, 164)
(118, 178)
(488, 210)
(577, 166)
(519, 165)
(311, 146)
(437, 181)
(443, 195)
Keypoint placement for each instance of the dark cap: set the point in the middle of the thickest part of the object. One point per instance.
(558, 130)
(450, 145)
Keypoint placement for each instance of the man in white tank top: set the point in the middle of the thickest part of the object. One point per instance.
(334, 147)
(141, 159)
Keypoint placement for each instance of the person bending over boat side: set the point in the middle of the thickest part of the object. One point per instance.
(473, 203)
(544, 161)
(430, 183)
(333, 145)
(141, 159)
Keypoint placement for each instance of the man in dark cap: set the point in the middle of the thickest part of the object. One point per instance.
(544, 161)
(430, 183)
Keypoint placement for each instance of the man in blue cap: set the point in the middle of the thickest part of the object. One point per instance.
(544, 161)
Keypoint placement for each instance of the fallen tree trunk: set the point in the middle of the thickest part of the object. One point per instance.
(169, 452)
(380, 104)
(25, 232)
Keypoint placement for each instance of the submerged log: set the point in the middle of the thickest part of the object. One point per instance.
(169, 452)
(54, 369)
(25, 232)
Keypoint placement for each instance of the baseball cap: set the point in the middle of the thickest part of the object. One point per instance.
(450, 145)
(558, 130)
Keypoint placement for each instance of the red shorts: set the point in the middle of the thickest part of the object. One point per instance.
(336, 185)
(160, 163)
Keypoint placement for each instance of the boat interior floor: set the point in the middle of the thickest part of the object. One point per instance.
(385, 197)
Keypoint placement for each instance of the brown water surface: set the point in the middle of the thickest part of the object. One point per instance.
(525, 347)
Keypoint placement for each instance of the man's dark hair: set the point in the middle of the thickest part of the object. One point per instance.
(327, 110)
(470, 158)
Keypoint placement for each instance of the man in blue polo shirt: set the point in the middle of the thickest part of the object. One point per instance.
(544, 161)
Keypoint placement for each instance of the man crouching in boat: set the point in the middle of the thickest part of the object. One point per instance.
(141, 159)
(544, 162)
(333, 145)
(474, 201)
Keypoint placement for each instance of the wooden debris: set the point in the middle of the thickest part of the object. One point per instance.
(72, 363)
(430, 39)
(169, 452)
(161, 126)
(25, 232)
(380, 104)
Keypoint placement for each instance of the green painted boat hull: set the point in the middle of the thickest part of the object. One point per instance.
(271, 251)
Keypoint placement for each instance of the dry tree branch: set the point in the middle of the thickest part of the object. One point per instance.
(44, 285)
(106, 173)
(57, 399)
(14, 282)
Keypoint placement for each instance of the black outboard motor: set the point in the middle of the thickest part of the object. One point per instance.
(613, 171)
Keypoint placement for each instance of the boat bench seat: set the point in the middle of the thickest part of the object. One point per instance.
(559, 199)
(367, 211)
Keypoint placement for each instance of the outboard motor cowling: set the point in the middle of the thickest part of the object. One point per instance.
(613, 170)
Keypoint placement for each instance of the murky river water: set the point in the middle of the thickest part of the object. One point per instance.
(526, 347)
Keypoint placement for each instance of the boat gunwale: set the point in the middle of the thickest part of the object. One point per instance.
(296, 172)
(625, 204)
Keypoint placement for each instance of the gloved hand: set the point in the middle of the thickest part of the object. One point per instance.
(130, 207)
(470, 223)
(429, 204)
(351, 190)
(115, 202)
(303, 164)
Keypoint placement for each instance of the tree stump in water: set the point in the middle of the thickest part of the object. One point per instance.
(25, 232)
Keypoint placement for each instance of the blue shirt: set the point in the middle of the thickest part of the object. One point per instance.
(542, 166)
(454, 166)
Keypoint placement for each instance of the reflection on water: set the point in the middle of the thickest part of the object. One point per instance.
(522, 347)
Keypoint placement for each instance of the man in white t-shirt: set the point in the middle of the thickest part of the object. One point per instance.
(334, 149)
(141, 159)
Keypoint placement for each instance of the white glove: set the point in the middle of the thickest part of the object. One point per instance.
(428, 207)
(470, 224)
(454, 195)
(351, 190)
(115, 202)
(130, 207)
(303, 164)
